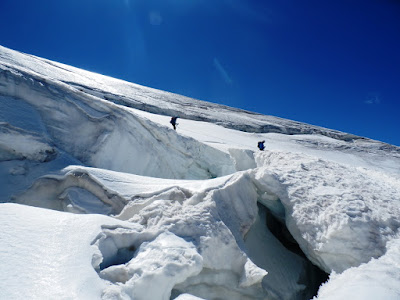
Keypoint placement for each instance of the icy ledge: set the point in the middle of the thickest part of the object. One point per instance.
(104, 135)
(341, 216)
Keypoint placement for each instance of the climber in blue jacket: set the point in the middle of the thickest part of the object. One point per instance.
(261, 145)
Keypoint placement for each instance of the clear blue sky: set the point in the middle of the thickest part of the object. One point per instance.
(333, 63)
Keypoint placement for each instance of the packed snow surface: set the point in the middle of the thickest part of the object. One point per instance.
(101, 199)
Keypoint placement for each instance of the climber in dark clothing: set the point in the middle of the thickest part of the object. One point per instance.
(173, 122)
(261, 145)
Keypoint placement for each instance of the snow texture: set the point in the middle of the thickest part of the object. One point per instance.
(101, 199)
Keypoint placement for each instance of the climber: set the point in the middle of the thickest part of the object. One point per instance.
(261, 145)
(173, 122)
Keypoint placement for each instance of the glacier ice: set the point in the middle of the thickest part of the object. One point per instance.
(140, 211)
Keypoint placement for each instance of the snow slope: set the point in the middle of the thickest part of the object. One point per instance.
(140, 211)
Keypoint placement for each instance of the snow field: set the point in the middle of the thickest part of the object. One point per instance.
(152, 100)
(186, 212)
(45, 255)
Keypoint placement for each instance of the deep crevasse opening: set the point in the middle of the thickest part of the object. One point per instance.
(271, 246)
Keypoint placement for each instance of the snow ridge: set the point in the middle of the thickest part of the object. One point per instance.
(151, 100)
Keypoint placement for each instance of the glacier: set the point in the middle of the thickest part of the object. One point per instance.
(101, 199)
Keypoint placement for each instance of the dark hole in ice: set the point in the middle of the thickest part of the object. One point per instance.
(122, 256)
(312, 273)
(281, 232)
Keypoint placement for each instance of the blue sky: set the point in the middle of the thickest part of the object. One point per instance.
(333, 63)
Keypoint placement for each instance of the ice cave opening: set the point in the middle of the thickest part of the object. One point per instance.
(122, 256)
(270, 245)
